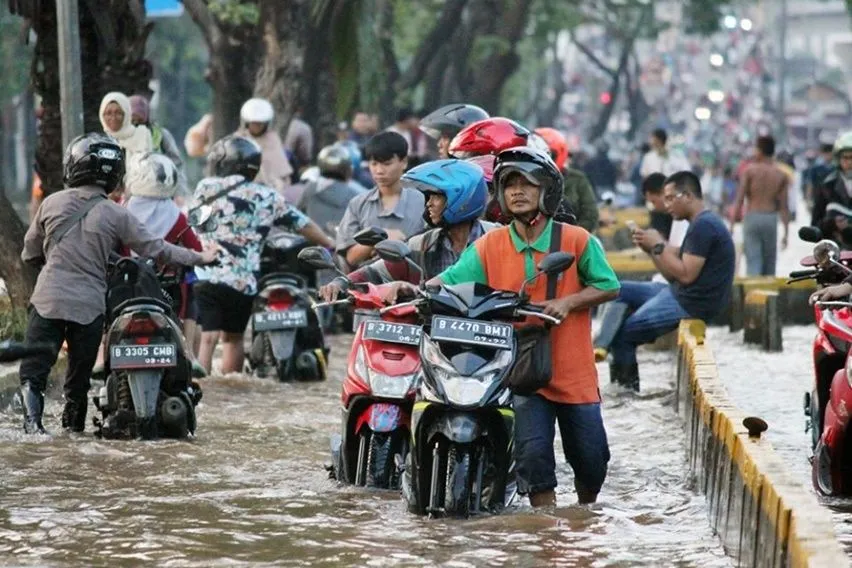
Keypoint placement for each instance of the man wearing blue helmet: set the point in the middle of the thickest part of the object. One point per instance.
(456, 195)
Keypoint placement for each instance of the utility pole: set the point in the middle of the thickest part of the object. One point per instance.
(70, 87)
(782, 72)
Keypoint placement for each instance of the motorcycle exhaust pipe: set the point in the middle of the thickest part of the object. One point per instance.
(144, 391)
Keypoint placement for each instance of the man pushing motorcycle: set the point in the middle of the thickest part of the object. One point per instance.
(528, 186)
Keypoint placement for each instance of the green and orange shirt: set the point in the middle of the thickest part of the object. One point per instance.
(502, 260)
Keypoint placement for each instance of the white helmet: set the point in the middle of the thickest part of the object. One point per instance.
(151, 175)
(257, 110)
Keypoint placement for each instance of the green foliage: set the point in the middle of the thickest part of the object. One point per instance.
(177, 50)
(15, 57)
(13, 322)
(235, 12)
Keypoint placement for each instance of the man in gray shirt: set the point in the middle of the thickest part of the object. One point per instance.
(397, 209)
(71, 237)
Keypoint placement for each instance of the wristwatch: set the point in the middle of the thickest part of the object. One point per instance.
(658, 249)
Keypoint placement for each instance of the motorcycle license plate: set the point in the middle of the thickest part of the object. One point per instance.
(473, 332)
(288, 319)
(143, 356)
(404, 333)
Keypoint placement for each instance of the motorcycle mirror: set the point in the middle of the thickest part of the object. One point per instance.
(810, 234)
(371, 236)
(317, 258)
(556, 262)
(394, 251)
(826, 251)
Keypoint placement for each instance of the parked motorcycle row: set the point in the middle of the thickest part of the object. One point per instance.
(826, 404)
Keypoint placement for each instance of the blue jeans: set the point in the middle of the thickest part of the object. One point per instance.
(655, 313)
(583, 441)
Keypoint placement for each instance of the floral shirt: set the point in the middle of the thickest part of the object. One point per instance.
(245, 216)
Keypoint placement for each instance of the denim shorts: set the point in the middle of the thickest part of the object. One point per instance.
(583, 441)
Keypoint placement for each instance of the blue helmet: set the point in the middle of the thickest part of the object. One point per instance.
(461, 182)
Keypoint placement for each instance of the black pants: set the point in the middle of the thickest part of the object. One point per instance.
(83, 342)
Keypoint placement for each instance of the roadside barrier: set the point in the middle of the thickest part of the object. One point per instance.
(764, 517)
(632, 264)
(793, 307)
(762, 321)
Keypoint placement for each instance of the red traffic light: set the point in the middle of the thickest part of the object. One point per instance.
(606, 98)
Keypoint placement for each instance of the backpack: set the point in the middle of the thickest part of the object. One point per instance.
(132, 278)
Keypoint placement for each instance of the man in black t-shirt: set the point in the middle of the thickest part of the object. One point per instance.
(700, 272)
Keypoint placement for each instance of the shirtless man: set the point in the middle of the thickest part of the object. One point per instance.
(765, 187)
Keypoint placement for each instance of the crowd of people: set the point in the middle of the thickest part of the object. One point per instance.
(477, 198)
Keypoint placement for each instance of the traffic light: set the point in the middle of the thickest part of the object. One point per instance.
(606, 98)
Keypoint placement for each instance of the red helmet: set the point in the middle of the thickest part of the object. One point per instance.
(488, 136)
(558, 145)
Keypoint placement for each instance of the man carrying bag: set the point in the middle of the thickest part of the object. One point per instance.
(528, 186)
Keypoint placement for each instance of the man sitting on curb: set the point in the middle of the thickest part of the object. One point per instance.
(700, 272)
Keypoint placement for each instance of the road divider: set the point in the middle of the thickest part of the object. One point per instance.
(763, 515)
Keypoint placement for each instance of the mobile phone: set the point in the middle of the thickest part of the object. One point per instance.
(631, 225)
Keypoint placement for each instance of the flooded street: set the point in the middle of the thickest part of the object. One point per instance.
(772, 386)
(251, 489)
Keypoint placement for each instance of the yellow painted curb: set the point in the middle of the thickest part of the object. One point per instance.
(763, 515)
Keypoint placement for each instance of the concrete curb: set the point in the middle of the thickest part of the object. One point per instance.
(761, 320)
(793, 306)
(631, 264)
(763, 515)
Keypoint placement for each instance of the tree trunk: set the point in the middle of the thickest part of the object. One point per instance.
(19, 277)
(499, 66)
(637, 106)
(235, 51)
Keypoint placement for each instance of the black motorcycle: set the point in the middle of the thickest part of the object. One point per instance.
(461, 459)
(287, 338)
(148, 390)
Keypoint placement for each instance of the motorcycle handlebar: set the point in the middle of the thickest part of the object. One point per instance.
(546, 317)
(334, 303)
(834, 304)
(810, 273)
(416, 302)
(13, 351)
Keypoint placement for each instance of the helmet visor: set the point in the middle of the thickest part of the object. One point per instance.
(421, 186)
(526, 169)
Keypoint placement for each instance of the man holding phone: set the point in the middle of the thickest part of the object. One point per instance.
(700, 272)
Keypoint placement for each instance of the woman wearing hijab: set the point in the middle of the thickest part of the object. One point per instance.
(275, 170)
(162, 139)
(116, 120)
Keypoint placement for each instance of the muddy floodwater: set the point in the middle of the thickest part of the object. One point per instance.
(251, 490)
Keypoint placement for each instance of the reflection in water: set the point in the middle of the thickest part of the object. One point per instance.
(252, 489)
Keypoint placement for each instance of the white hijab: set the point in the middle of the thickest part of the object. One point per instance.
(158, 215)
(131, 138)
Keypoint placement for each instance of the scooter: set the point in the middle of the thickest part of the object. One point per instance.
(462, 426)
(148, 391)
(286, 333)
(378, 390)
(826, 404)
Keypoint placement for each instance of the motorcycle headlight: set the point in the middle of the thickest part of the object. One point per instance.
(391, 387)
(383, 385)
(459, 390)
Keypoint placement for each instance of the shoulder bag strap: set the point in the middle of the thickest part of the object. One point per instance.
(555, 246)
(77, 217)
(221, 193)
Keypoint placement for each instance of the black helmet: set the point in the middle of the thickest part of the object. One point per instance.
(93, 159)
(335, 161)
(450, 119)
(234, 155)
(537, 167)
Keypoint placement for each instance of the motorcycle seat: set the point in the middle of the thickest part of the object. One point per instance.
(151, 304)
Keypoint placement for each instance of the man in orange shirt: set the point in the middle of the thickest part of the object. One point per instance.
(529, 188)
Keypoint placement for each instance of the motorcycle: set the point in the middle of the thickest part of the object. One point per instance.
(462, 424)
(286, 333)
(826, 405)
(380, 383)
(148, 390)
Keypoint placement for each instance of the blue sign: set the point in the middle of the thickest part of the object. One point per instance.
(163, 8)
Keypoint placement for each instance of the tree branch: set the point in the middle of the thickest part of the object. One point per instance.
(201, 15)
(444, 28)
(592, 57)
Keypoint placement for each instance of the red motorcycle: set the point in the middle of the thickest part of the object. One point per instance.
(382, 376)
(828, 404)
